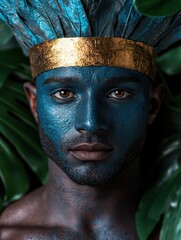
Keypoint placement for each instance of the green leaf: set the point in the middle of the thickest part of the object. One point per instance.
(15, 86)
(170, 62)
(35, 160)
(156, 200)
(177, 226)
(12, 172)
(172, 218)
(20, 148)
(173, 119)
(5, 34)
(157, 7)
(153, 204)
(24, 75)
(13, 61)
(12, 58)
(4, 72)
(19, 128)
(145, 224)
(25, 139)
(17, 105)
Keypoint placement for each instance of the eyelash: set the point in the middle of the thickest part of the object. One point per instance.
(72, 95)
(124, 91)
(66, 98)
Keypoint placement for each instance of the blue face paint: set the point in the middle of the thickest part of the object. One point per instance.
(92, 104)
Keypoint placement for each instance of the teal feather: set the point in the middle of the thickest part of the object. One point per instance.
(34, 21)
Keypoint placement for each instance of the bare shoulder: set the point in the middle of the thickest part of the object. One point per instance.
(24, 211)
(25, 220)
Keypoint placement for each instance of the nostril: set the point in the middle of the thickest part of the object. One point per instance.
(82, 131)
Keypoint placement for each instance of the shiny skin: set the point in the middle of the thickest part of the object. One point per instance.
(108, 105)
(93, 111)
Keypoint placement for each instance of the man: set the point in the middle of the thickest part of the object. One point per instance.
(93, 123)
(93, 101)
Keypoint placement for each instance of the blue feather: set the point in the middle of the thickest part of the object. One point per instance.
(104, 18)
(48, 13)
(34, 21)
(2, 17)
(23, 34)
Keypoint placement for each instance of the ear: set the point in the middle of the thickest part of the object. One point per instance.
(30, 92)
(156, 97)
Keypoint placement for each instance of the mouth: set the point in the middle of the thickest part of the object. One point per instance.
(91, 152)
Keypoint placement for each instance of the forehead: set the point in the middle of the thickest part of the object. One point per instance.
(93, 74)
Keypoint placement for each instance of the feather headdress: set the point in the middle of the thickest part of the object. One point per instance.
(35, 21)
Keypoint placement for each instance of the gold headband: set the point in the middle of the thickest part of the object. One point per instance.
(95, 51)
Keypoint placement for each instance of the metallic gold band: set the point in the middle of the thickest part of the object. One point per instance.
(95, 51)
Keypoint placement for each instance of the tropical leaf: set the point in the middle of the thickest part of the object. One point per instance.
(158, 200)
(12, 59)
(5, 34)
(157, 7)
(12, 173)
(154, 203)
(171, 223)
(173, 115)
(170, 62)
(23, 133)
(20, 149)
(4, 72)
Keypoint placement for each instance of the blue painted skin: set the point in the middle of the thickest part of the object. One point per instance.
(73, 99)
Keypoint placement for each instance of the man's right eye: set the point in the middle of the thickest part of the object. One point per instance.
(64, 94)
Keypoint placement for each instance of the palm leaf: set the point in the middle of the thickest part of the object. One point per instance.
(157, 7)
(5, 34)
(172, 218)
(12, 173)
(20, 150)
(166, 63)
(158, 200)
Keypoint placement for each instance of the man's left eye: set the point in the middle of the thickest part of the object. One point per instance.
(119, 94)
(64, 94)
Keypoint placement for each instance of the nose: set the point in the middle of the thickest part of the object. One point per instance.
(90, 116)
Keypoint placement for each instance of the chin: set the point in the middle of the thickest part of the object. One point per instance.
(91, 173)
(95, 181)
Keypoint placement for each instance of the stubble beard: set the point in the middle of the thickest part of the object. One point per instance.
(93, 177)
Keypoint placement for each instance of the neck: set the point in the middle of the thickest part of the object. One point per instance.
(79, 201)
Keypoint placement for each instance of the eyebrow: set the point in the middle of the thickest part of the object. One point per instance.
(116, 80)
(64, 80)
(74, 80)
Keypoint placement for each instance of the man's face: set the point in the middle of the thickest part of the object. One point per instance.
(92, 120)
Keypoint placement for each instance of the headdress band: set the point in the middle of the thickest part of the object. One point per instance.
(93, 51)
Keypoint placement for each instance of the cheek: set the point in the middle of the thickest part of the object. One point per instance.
(129, 121)
(56, 120)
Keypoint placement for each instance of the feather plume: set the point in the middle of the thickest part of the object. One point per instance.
(104, 17)
(25, 37)
(34, 21)
(47, 12)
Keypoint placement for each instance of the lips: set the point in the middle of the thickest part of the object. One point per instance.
(91, 152)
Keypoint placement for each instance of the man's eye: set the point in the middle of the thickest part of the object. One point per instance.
(64, 94)
(119, 94)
